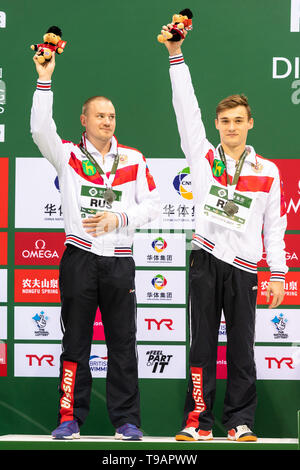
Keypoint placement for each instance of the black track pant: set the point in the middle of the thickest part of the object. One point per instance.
(86, 282)
(215, 285)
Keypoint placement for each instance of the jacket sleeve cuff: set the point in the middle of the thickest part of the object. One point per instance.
(43, 85)
(176, 59)
(123, 219)
(277, 276)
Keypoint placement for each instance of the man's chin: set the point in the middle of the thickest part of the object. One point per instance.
(105, 136)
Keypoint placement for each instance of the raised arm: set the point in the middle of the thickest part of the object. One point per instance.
(188, 115)
(43, 128)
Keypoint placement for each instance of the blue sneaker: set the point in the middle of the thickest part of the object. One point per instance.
(67, 430)
(128, 432)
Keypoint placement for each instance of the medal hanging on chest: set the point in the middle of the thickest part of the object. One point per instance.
(231, 208)
(109, 195)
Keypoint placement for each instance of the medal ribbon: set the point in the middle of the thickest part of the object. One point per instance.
(231, 186)
(108, 181)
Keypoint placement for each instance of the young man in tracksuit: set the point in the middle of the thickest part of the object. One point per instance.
(237, 194)
(107, 192)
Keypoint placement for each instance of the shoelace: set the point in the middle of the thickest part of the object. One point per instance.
(66, 424)
(128, 426)
(244, 427)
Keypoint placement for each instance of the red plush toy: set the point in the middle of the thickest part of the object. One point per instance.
(52, 44)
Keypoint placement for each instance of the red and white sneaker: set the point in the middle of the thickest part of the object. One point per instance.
(190, 434)
(242, 434)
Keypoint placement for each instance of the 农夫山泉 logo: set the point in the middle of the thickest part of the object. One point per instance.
(183, 184)
(159, 244)
(37, 285)
(159, 281)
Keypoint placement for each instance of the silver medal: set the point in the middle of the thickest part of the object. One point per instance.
(230, 208)
(109, 196)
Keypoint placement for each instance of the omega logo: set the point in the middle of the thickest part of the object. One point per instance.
(40, 251)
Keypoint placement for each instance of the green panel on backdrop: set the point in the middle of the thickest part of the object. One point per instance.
(112, 50)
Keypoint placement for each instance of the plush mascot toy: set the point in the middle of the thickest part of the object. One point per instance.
(181, 21)
(52, 44)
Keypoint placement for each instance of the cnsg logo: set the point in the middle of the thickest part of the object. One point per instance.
(183, 184)
(159, 281)
(159, 244)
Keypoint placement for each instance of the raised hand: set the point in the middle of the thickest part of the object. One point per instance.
(46, 69)
(174, 47)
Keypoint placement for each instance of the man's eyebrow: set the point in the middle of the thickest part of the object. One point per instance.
(236, 117)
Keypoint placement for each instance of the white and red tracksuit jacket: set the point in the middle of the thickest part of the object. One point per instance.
(243, 250)
(81, 189)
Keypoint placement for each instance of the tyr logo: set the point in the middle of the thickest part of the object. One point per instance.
(167, 321)
(288, 361)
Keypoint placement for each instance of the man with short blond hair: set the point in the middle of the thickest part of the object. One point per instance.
(87, 102)
(237, 194)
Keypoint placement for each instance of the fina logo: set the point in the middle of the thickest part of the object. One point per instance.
(159, 281)
(183, 184)
(159, 244)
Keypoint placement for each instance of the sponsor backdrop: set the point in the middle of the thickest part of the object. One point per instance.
(254, 46)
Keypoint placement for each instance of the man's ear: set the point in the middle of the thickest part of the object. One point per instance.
(83, 119)
(251, 123)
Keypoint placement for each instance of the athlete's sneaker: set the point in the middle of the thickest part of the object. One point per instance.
(190, 434)
(67, 430)
(242, 434)
(128, 432)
